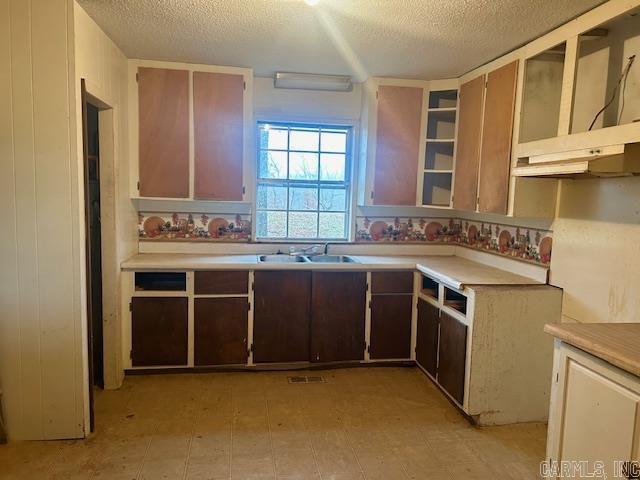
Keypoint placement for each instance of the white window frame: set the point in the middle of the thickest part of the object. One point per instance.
(350, 175)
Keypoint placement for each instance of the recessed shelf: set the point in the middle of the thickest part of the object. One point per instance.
(440, 140)
(435, 170)
(543, 76)
(436, 189)
(438, 156)
(455, 300)
(443, 99)
(429, 287)
(444, 109)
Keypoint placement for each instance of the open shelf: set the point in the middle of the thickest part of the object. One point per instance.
(455, 300)
(543, 76)
(441, 124)
(429, 287)
(443, 99)
(436, 189)
(603, 55)
(439, 156)
(160, 281)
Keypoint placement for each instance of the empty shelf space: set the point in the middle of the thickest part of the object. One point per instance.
(430, 287)
(436, 189)
(455, 300)
(441, 125)
(160, 281)
(439, 156)
(443, 99)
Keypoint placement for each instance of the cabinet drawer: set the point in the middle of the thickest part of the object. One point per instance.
(391, 282)
(221, 282)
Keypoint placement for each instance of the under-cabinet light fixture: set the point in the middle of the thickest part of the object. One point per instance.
(309, 81)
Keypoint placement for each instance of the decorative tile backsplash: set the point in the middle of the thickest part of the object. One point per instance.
(194, 227)
(523, 243)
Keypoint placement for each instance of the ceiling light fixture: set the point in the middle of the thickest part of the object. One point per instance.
(312, 3)
(308, 81)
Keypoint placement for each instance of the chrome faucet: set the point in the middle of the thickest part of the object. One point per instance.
(311, 250)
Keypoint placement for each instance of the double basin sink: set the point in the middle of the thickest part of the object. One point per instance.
(307, 259)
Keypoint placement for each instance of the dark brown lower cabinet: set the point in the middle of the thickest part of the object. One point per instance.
(281, 316)
(452, 357)
(159, 331)
(220, 331)
(427, 337)
(338, 304)
(391, 326)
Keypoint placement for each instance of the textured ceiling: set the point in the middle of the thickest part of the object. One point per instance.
(401, 38)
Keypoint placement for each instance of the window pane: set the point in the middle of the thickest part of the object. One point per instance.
(272, 164)
(303, 166)
(333, 141)
(333, 199)
(306, 140)
(332, 225)
(332, 167)
(273, 138)
(303, 224)
(271, 224)
(271, 198)
(303, 198)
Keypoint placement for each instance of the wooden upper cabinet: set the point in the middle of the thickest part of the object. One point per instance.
(397, 145)
(495, 158)
(218, 106)
(163, 136)
(470, 103)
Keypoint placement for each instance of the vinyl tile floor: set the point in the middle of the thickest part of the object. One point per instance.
(362, 423)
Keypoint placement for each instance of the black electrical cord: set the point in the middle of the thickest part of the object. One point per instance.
(623, 76)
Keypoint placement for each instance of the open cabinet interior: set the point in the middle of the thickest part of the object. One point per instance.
(604, 77)
(541, 98)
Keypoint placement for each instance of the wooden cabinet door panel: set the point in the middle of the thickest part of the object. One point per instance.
(495, 158)
(338, 304)
(218, 111)
(599, 419)
(163, 132)
(221, 282)
(397, 145)
(159, 331)
(281, 316)
(427, 337)
(391, 282)
(391, 326)
(452, 356)
(465, 194)
(220, 331)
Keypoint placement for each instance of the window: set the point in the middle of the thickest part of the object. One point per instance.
(303, 182)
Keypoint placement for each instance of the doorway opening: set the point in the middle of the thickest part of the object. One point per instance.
(93, 239)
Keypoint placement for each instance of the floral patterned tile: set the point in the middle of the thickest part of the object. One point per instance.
(522, 243)
(194, 227)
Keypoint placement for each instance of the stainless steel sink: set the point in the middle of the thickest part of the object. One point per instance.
(282, 258)
(331, 259)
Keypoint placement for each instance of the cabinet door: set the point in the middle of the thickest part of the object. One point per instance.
(465, 193)
(397, 145)
(495, 159)
(159, 331)
(218, 105)
(391, 326)
(599, 419)
(391, 282)
(220, 331)
(281, 316)
(163, 132)
(452, 356)
(338, 305)
(427, 337)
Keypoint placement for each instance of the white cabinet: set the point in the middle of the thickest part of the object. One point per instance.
(595, 414)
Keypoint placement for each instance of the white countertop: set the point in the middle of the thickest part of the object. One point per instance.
(454, 271)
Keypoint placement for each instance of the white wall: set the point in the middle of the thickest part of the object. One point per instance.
(104, 67)
(41, 326)
(271, 103)
(596, 250)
